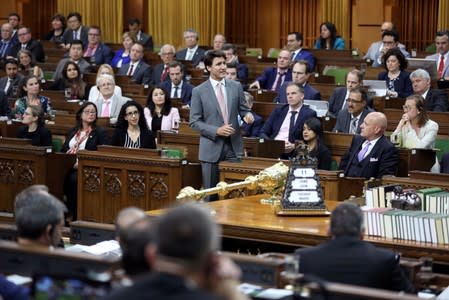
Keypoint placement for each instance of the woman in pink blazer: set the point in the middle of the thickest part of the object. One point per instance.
(159, 113)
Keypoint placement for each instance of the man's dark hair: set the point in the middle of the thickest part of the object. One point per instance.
(346, 219)
(187, 234)
(232, 65)
(360, 90)
(443, 33)
(14, 14)
(175, 63)
(210, 55)
(133, 21)
(392, 33)
(11, 61)
(303, 62)
(298, 35)
(75, 14)
(133, 241)
(77, 42)
(229, 46)
(35, 209)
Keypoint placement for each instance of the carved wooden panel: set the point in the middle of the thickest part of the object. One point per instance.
(25, 172)
(91, 179)
(112, 182)
(6, 171)
(158, 188)
(136, 184)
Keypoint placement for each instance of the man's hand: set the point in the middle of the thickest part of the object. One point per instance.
(248, 118)
(289, 147)
(255, 84)
(225, 130)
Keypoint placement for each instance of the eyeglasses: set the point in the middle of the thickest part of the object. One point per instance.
(350, 100)
(22, 34)
(133, 113)
(167, 53)
(89, 112)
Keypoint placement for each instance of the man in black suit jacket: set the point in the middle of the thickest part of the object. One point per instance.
(26, 42)
(434, 99)
(350, 119)
(278, 125)
(96, 51)
(135, 28)
(176, 86)
(192, 52)
(371, 154)
(74, 31)
(137, 69)
(346, 258)
(232, 58)
(14, 78)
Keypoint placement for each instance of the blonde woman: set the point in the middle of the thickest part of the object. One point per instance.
(94, 91)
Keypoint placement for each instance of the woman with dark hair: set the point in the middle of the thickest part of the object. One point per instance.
(58, 27)
(328, 38)
(27, 64)
(34, 129)
(132, 130)
(159, 113)
(397, 79)
(312, 133)
(84, 136)
(71, 79)
(29, 89)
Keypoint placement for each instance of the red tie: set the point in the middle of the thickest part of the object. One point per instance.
(441, 67)
(164, 73)
(130, 70)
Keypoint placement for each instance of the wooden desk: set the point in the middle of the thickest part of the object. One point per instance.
(114, 177)
(246, 219)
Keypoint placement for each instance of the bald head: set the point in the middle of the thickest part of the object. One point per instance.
(387, 26)
(374, 126)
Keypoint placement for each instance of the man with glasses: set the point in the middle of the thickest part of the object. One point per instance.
(350, 119)
(75, 30)
(192, 52)
(434, 99)
(28, 43)
(376, 47)
(97, 52)
(161, 71)
(390, 39)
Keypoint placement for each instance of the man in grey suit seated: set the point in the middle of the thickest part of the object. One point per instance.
(137, 69)
(75, 55)
(390, 39)
(350, 119)
(192, 51)
(376, 47)
(441, 58)
(214, 108)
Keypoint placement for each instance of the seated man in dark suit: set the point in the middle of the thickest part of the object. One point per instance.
(161, 71)
(137, 69)
(371, 154)
(273, 78)
(337, 101)
(6, 42)
(96, 51)
(10, 83)
(253, 129)
(75, 30)
(232, 58)
(434, 99)
(27, 42)
(300, 75)
(294, 44)
(346, 258)
(350, 119)
(135, 29)
(177, 87)
(192, 52)
(286, 123)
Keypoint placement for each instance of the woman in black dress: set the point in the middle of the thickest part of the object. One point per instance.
(34, 129)
(313, 136)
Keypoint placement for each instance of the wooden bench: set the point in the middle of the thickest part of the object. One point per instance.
(90, 233)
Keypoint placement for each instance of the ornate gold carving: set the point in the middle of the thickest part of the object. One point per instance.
(136, 185)
(158, 187)
(6, 171)
(112, 182)
(25, 172)
(91, 178)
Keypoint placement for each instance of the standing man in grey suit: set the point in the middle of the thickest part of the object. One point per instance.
(215, 105)
(192, 52)
(441, 58)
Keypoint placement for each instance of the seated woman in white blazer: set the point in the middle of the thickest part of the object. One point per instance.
(159, 113)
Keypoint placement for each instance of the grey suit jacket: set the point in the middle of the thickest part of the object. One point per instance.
(206, 117)
(116, 105)
(436, 58)
(344, 120)
(82, 64)
(142, 74)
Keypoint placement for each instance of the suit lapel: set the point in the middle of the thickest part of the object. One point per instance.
(215, 101)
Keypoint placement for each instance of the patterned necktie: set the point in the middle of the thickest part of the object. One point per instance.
(362, 152)
(164, 73)
(221, 102)
(189, 54)
(105, 112)
(130, 70)
(441, 67)
(291, 128)
(353, 126)
(3, 49)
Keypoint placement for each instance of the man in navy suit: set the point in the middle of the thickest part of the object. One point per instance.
(192, 52)
(253, 129)
(371, 154)
(176, 87)
(27, 42)
(346, 258)
(285, 123)
(161, 71)
(137, 69)
(14, 21)
(232, 58)
(300, 75)
(6, 43)
(350, 119)
(74, 31)
(294, 44)
(97, 52)
(135, 28)
(273, 78)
